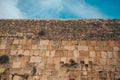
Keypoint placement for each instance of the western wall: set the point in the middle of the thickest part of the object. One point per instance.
(81, 49)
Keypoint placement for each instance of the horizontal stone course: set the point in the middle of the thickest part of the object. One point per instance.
(85, 29)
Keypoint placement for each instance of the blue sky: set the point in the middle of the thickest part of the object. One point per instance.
(60, 9)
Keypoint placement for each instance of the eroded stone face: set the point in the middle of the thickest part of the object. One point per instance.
(50, 64)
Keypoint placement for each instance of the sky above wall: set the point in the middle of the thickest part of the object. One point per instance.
(60, 9)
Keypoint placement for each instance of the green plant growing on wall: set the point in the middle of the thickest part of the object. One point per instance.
(34, 71)
(4, 59)
(41, 33)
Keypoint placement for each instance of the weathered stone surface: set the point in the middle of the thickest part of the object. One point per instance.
(35, 59)
(59, 49)
(16, 65)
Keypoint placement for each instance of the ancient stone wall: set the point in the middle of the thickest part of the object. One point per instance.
(59, 49)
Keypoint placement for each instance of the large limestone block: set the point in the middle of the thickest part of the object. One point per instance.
(26, 52)
(116, 48)
(15, 41)
(34, 47)
(20, 52)
(13, 52)
(69, 47)
(63, 59)
(110, 54)
(35, 59)
(16, 65)
(36, 52)
(3, 46)
(22, 42)
(17, 78)
(44, 42)
(52, 53)
(42, 47)
(104, 54)
(84, 48)
(76, 53)
(92, 54)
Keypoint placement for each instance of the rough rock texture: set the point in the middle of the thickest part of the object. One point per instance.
(96, 29)
(59, 49)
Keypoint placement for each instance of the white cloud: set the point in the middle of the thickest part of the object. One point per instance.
(47, 9)
(8, 9)
(84, 10)
(52, 8)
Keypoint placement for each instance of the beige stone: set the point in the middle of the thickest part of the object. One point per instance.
(110, 54)
(34, 47)
(44, 42)
(104, 54)
(16, 65)
(103, 61)
(63, 59)
(47, 53)
(13, 52)
(17, 78)
(69, 47)
(36, 52)
(116, 48)
(76, 53)
(20, 52)
(26, 52)
(92, 54)
(35, 59)
(84, 48)
(15, 41)
(86, 60)
(3, 46)
(43, 47)
(52, 53)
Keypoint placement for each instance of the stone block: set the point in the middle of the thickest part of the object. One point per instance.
(22, 42)
(58, 53)
(52, 53)
(26, 52)
(34, 47)
(84, 54)
(63, 59)
(92, 54)
(43, 47)
(15, 41)
(35, 59)
(84, 48)
(36, 52)
(3, 46)
(70, 53)
(104, 54)
(20, 52)
(13, 52)
(103, 61)
(92, 43)
(16, 65)
(44, 42)
(111, 43)
(82, 43)
(116, 48)
(69, 47)
(14, 47)
(47, 53)
(110, 54)
(17, 78)
(65, 53)
(76, 53)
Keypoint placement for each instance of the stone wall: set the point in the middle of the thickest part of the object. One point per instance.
(59, 50)
(96, 29)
